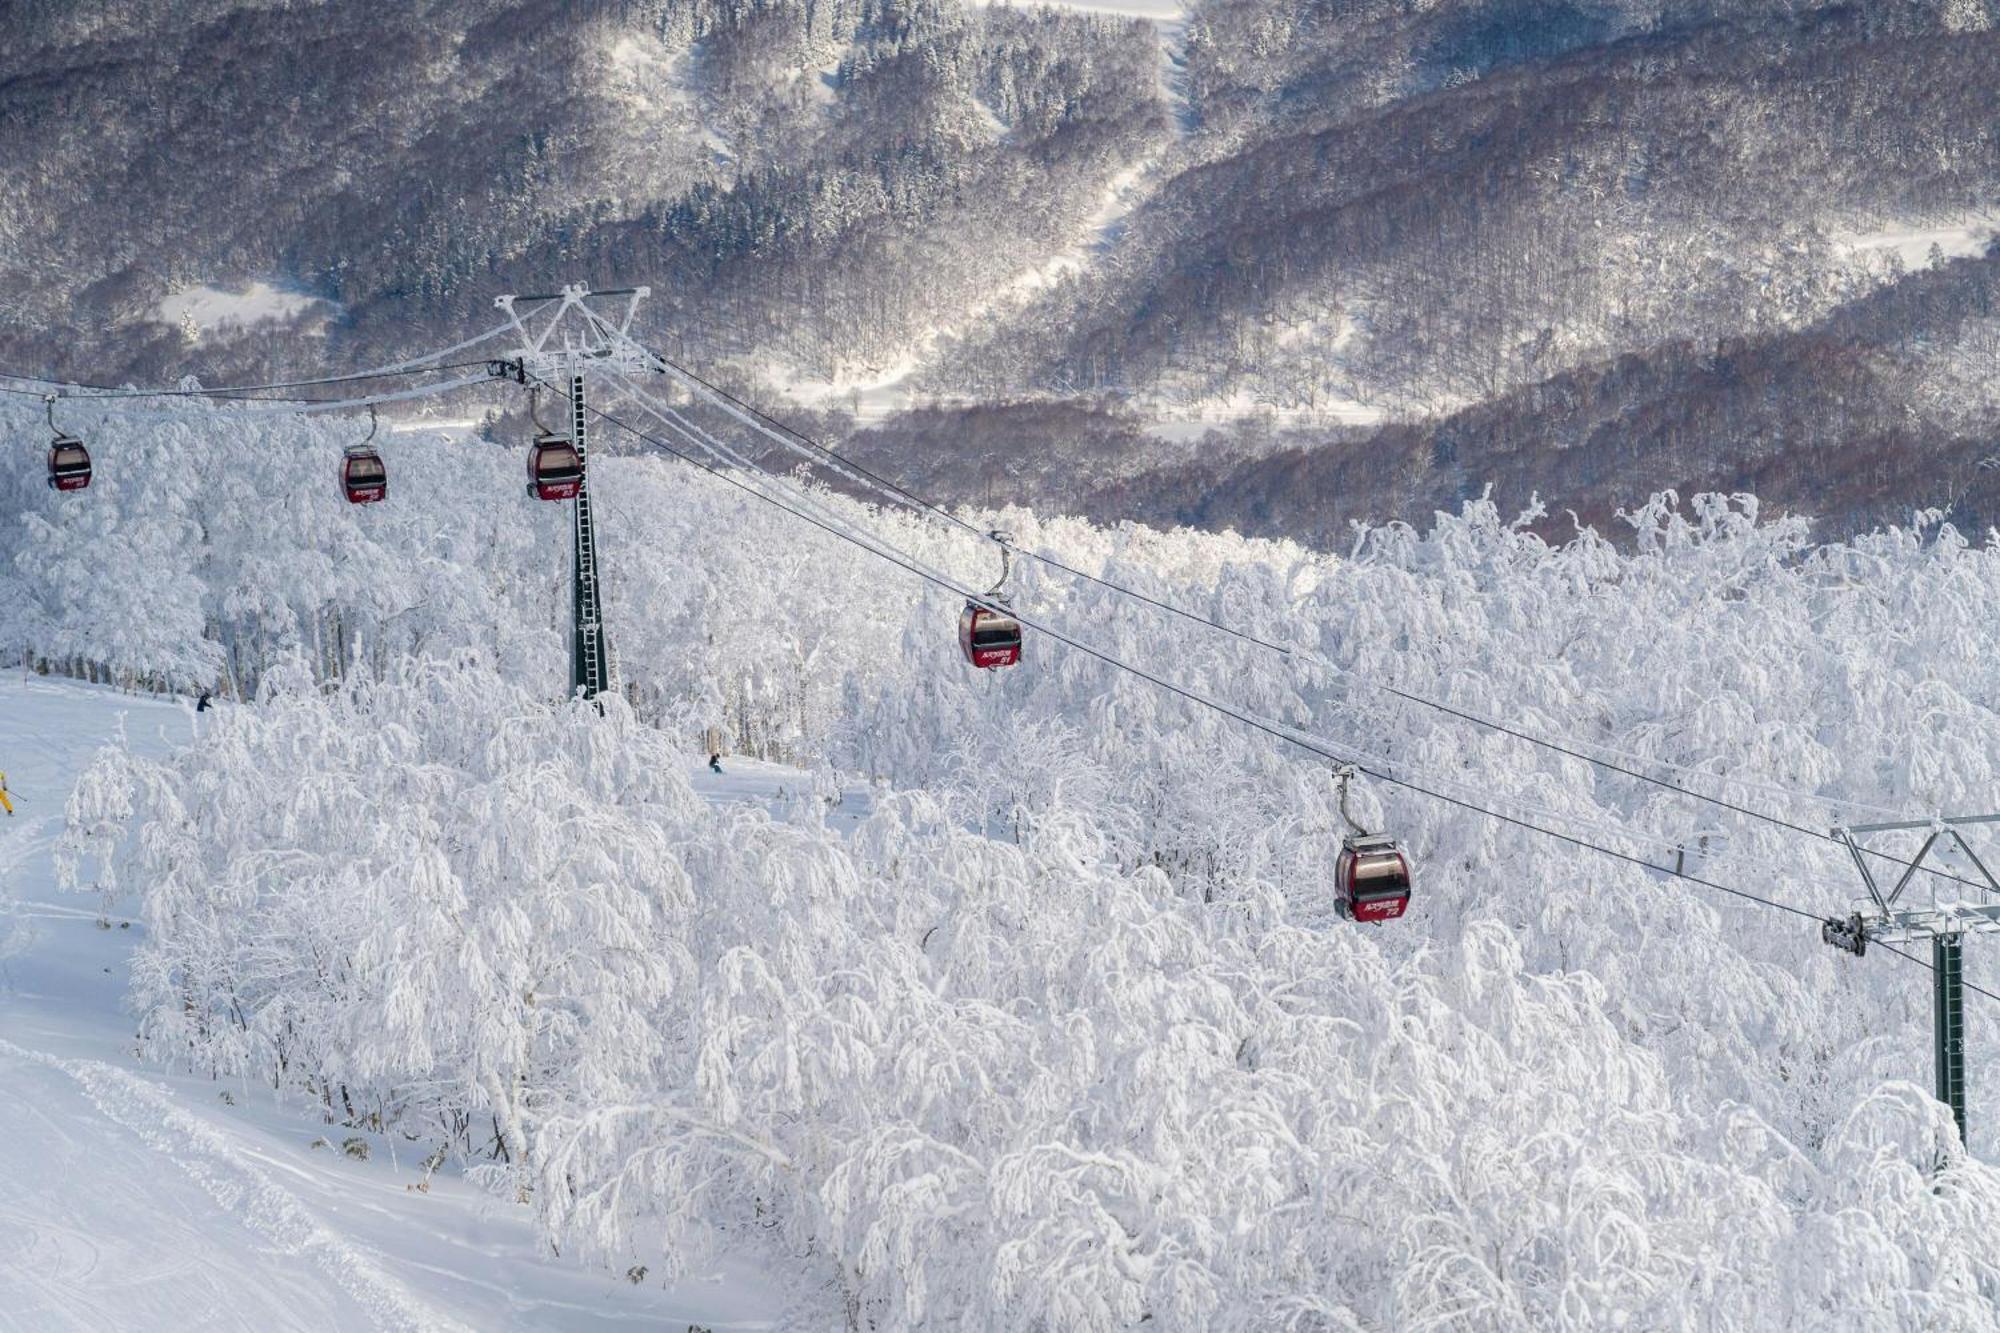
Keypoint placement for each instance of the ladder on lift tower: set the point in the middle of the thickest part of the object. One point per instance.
(589, 620)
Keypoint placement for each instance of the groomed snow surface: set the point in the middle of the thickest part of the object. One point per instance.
(134, 1198)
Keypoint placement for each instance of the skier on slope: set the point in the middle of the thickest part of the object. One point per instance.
(6, 797)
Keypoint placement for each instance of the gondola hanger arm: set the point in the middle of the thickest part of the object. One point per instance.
(1343, 778)
(1005, 541)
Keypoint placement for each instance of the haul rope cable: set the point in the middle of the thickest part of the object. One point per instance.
(674, 419)
(1278, 730)
(1273, 729)
(870, 542)
(277, 407)
(730, 458)
(413, 365)
(756, 419)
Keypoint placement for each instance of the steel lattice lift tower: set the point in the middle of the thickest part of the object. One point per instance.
(574, 338)
(1944, 925)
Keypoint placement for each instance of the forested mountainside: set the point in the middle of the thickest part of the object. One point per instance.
(1392, 252)
(1882, 403)
(1469, 234)
(811, 180)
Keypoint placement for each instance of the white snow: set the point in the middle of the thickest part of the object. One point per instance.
(628, 53)
(137, 1198)
(989, 119)
(1100, 232)
(875, 395)
(1160, 11)
(1912, 243)
(1118, 1063)
(651, 80)
(219, 308)
(883, 391)
(1189, 422)
(869, 395)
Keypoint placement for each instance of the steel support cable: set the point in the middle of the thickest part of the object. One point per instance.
(1912, 958)
(414, 365)
(282, 407)
(801, 443)
(1274, 729)
(730, 458)
(1278, 731)
(794, 439)
(775, 429)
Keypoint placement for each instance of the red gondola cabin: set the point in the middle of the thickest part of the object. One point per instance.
(1372, 879)
(362, 476)
(987, 637)
(554, 470)
(69, 464)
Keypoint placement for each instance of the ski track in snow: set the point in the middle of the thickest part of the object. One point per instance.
(240, 1189)
(144, 1200)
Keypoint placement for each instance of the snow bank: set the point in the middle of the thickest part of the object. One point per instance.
(218, 308)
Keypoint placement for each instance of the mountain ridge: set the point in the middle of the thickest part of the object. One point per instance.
(1323, 215)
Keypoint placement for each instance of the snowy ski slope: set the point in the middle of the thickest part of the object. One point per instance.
(138, 1198)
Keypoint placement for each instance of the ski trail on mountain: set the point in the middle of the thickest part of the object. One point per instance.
(245, 1195)
(146, 1199)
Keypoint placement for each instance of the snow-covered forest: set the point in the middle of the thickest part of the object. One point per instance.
(1717, 240)
(1056, 1027)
